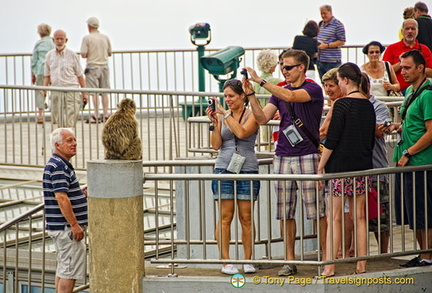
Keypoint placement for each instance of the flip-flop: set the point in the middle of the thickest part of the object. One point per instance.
(324, 276)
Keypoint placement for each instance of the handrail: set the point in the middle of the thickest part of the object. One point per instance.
(355, 46)
(21, 217)
(301, 177)
(149, 92)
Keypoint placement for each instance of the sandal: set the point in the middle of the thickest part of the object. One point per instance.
(103, 118)
(93, 120)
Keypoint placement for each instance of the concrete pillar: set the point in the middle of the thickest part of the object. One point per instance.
(116, 226)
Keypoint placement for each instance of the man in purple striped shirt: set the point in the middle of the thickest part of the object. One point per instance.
(331, 37)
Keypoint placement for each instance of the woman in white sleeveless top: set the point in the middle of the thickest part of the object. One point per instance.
(381, 75)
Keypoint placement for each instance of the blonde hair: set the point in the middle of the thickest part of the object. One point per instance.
(266, 60)
(408, 13)
(330, 75)
(44, 30)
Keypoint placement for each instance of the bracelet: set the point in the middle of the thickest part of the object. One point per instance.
(251, 94)
(263, 82)
(228, 113)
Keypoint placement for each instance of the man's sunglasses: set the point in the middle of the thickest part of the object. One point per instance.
(289, 67)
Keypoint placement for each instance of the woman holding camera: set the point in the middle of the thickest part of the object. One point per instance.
(234, 135)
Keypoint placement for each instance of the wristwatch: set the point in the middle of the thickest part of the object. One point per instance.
(406, 154)
(263, 82)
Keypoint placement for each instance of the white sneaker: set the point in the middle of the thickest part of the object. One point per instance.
(249, 269)
(229, 270)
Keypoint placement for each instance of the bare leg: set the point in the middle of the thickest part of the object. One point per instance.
(105, 105)
(384, 241)
(361, 235)
(424, 244)
(323, 235)
(227, 207)
(290, 232)
(95, 99)
(245, 216)
(40, 113)
(349, 239)
(333, 243)
(64, 285)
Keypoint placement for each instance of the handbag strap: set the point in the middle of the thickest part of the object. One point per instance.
(387, 65)
(388, 70)
(297, 121)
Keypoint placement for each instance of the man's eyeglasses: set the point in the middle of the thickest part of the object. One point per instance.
(289, 67)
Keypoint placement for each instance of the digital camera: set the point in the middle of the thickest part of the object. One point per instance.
(387, 123)
(244, 73)
(212, 104)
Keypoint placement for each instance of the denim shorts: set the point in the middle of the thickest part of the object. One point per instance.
(243, 187)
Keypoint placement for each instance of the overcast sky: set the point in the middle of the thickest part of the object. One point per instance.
(143, 24)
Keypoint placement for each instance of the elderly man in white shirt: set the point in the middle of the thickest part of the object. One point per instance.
(63, 69)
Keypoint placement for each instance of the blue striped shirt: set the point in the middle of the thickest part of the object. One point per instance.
(59, 176)
(333, 31)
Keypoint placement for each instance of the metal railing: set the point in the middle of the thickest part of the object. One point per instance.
(168, 70)
(189, 215)
(196, 215)
(26, 257)
(164, 128)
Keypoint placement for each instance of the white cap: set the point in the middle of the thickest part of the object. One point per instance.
(93, 22)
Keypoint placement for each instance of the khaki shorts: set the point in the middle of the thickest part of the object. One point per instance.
(97, 76)
(71, 255)
(65, 108)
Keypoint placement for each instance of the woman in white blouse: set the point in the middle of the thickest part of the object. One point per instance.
(381, 75)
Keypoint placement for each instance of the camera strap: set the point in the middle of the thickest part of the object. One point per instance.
(299, 123)
(235, 137)
(409, 101)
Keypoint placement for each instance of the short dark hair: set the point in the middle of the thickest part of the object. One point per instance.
(417, 57)
(421, 6)
(299, 55)
(311, 29)
(373, 43)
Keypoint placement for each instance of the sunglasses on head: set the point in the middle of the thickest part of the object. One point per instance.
(289, 67)
(233, 82)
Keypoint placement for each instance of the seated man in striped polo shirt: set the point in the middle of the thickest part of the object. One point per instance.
(331, 37)
(65, 210)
